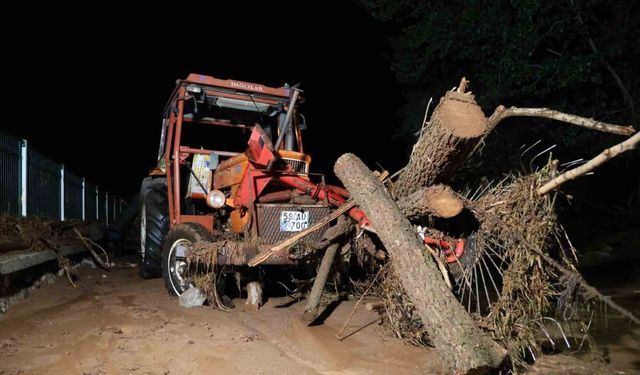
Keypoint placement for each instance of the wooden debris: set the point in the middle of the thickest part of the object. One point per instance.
(438, 200)
(263, 256)
(502, 113)
(313, 300)
(603, 157)
(376, 305)
(102, 263)
(456, 126)
(460, 343)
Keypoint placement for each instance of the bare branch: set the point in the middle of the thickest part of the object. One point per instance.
(592, 164)
(588, 291)
(441, 266)
(95, 255)
(502, 113)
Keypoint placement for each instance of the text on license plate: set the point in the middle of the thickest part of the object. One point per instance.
(294, 221)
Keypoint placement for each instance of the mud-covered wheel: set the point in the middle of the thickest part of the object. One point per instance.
(174, 261)
(154, 225)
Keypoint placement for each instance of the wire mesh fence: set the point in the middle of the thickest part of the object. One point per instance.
(90, 202)
(72, 195)
(33, 184)
(102, 205)
(10, 185)
(43, 185)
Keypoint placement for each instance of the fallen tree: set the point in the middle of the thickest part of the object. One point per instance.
(457, 126)
(505, 276)
(460, 343)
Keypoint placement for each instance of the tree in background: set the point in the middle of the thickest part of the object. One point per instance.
(577, 56)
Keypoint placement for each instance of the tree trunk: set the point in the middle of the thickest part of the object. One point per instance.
(313, 300)
(437, 200)
(562, 364)
(13, 243)
(456, 126)
(331, 241)
(460, 343)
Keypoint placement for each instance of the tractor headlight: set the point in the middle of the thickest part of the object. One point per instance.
(216, 199)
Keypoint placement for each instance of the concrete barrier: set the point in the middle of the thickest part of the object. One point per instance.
(14, 261)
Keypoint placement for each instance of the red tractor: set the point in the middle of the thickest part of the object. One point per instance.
(212, 183)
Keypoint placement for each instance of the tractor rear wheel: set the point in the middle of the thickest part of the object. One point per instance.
(154, 225)
(174, 257)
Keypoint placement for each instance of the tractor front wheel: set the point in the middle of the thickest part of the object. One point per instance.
(174, 257)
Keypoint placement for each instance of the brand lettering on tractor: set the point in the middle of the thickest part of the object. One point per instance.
(246, 86)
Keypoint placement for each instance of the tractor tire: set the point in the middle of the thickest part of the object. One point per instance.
(154, 225)
(174, 265)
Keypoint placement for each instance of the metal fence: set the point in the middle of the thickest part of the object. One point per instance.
(102, 204)
(33, 184)
(10, 149)
(73, 195)
(43, 185)
(90, 201)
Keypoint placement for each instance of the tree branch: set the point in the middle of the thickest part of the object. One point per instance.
(502, 113)
(592, 164)
(588, 291)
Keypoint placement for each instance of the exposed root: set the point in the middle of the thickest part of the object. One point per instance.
(208, 284)
(503, 281)
(202, 263)
(517, 277)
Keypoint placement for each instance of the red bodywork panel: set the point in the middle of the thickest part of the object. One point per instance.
(256, 178)
(260, 153)
(231, 84)
(451, 255)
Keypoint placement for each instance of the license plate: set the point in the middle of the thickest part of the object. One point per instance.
(294, 221)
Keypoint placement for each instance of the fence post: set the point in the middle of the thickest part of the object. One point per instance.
(97, 204)
(106, 208)
(61, 192)
(23, 178)
(83, 201)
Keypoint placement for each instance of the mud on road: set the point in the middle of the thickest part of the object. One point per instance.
(121, 324)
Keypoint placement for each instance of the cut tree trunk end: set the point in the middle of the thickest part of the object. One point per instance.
(456, 126)
(460, 343)
(437, 200)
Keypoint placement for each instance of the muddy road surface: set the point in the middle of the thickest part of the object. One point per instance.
(121, 324)
(116, 323)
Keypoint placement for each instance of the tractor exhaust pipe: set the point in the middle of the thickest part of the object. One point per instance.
(285, 128)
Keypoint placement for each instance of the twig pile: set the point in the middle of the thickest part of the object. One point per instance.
(203, 272)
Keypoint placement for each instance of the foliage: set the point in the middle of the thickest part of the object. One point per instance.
(519, 52)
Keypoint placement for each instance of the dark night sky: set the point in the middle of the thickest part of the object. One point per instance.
(88, 90)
